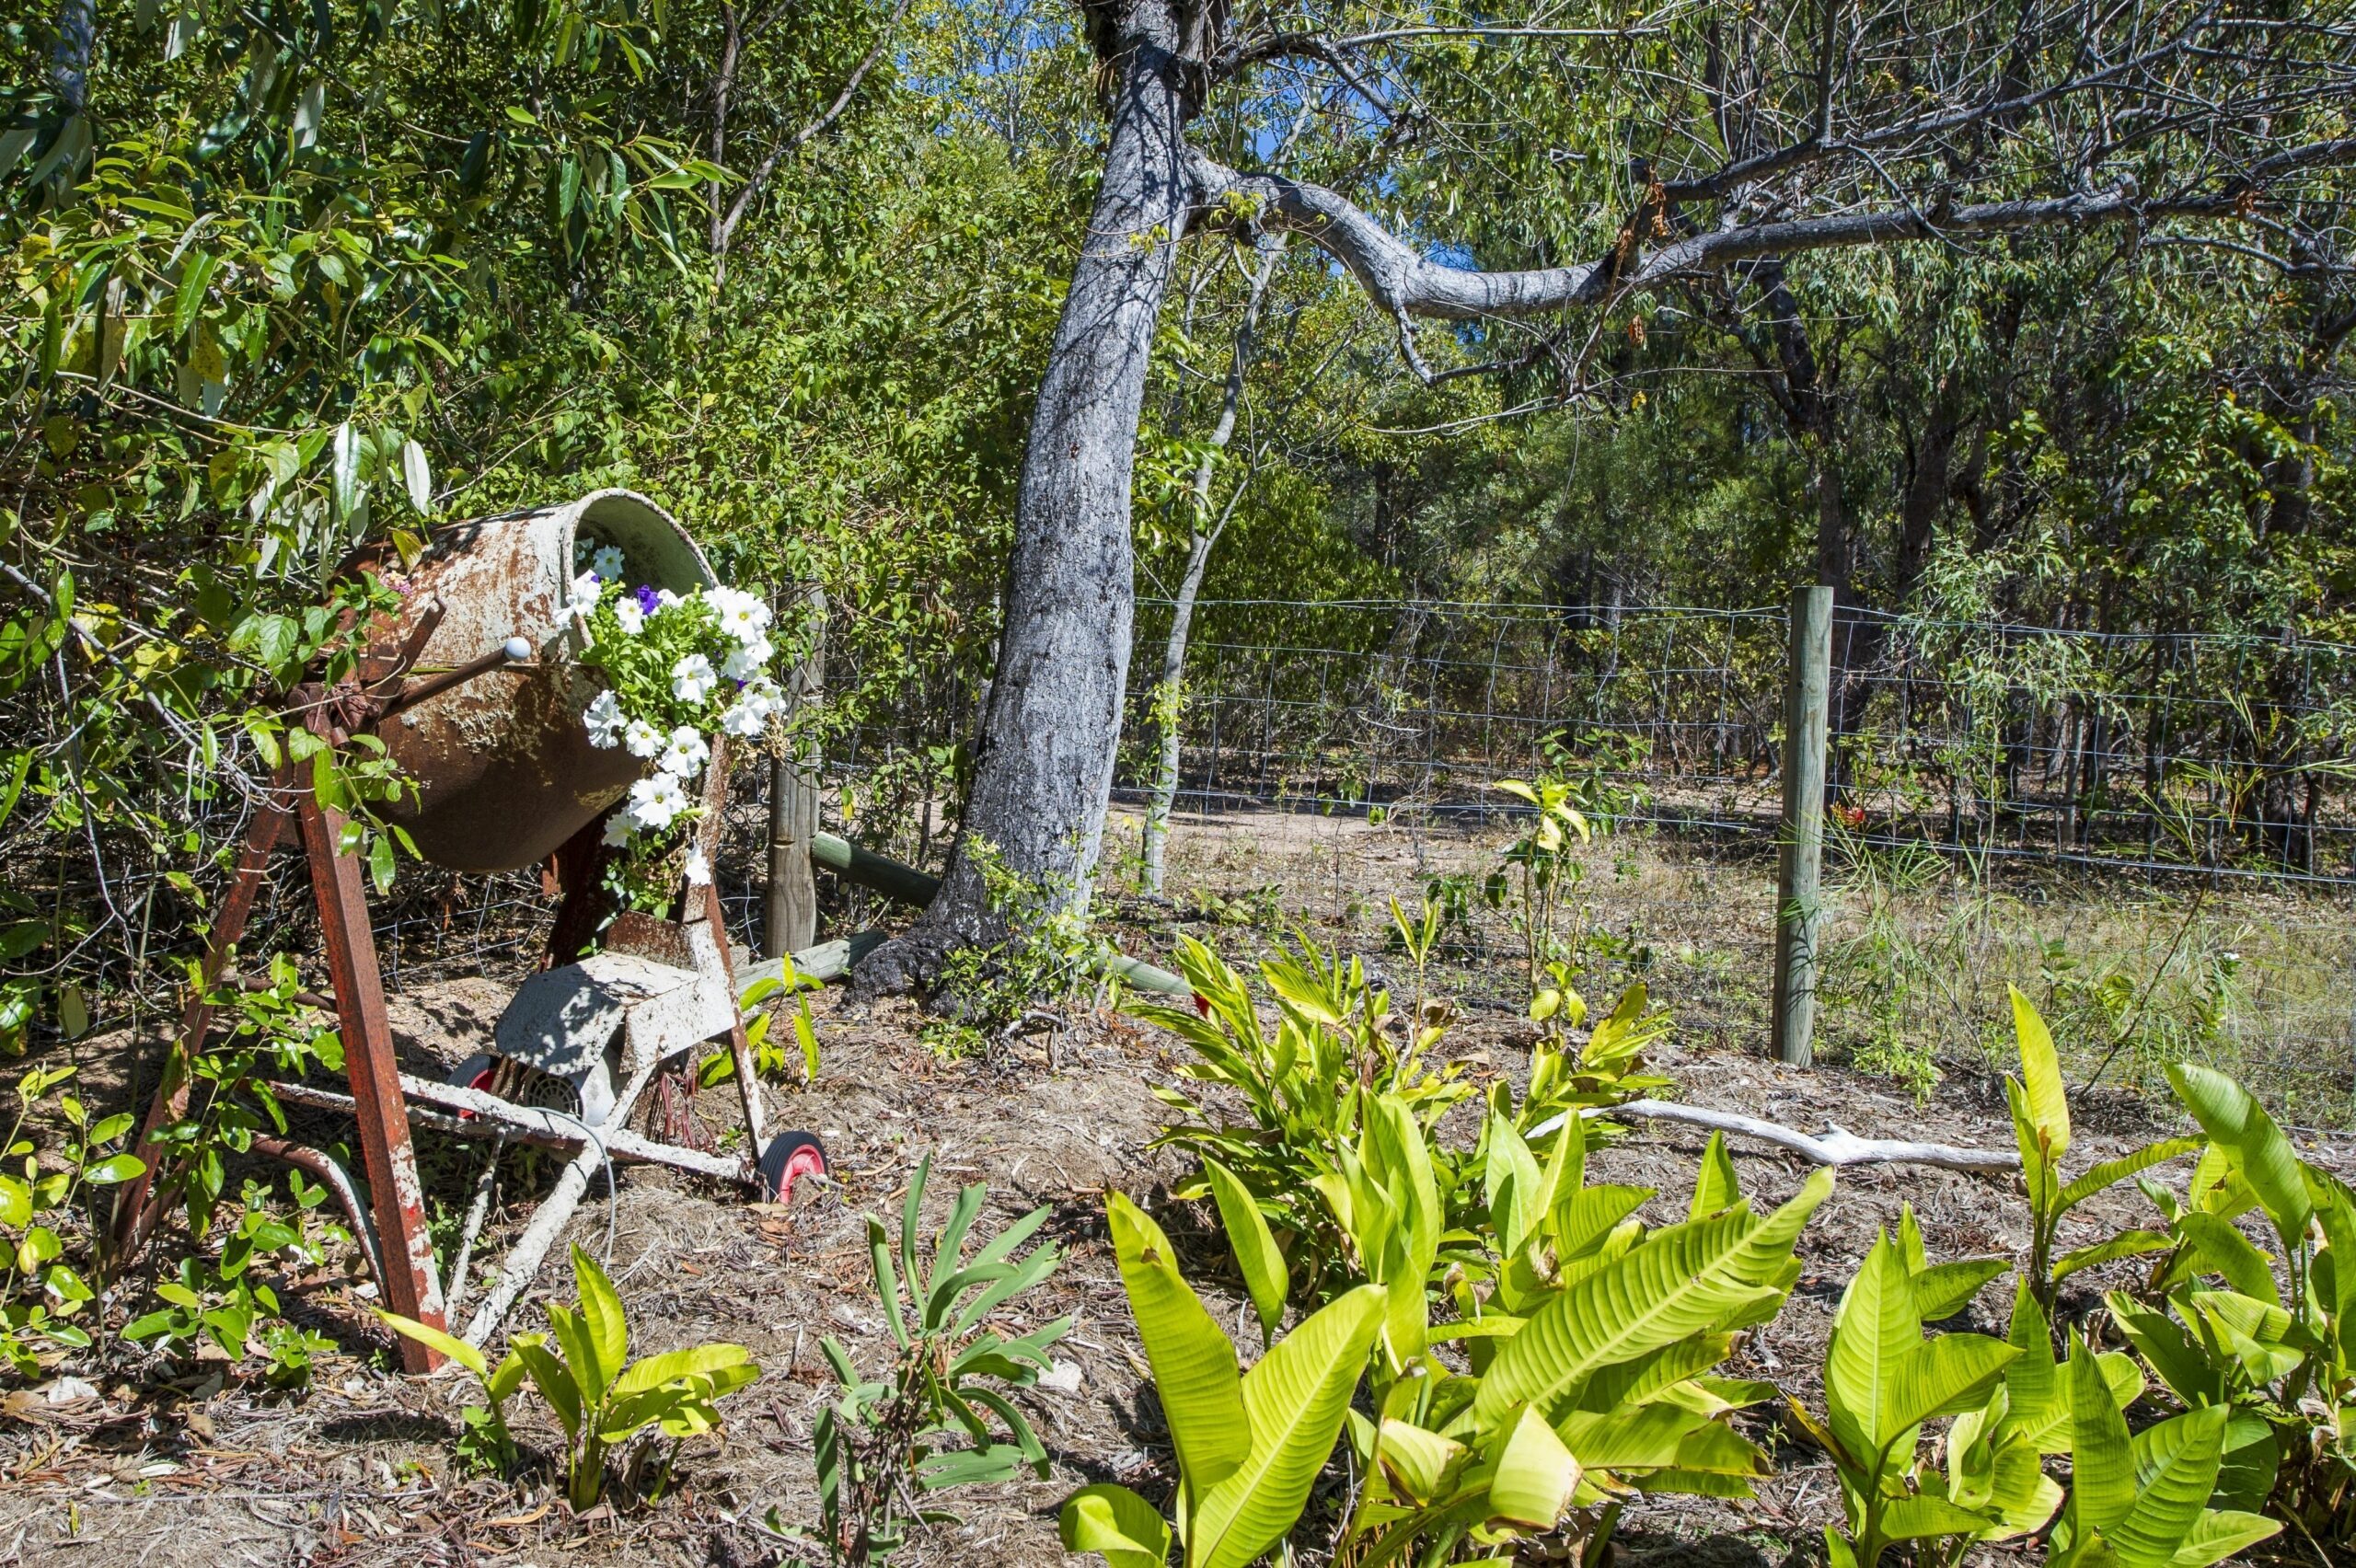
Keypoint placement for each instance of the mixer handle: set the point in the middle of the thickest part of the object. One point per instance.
(516, 651)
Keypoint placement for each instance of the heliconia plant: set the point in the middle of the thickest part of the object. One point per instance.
(1249, 1444)
(2040, 1110)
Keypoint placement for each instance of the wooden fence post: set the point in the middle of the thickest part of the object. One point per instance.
(792, 922)
(1798, 913)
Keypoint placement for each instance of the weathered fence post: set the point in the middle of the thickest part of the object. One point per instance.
(792, 914)
(1798, 917)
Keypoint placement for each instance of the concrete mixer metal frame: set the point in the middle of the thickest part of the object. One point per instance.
(383, 1100)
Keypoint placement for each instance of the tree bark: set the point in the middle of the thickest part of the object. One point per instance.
(1043, 770)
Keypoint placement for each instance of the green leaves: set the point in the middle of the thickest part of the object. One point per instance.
(2260, 1153)
(1194, 1367)
(1117, 1524)
(1257, 1253)
(1250, 1447)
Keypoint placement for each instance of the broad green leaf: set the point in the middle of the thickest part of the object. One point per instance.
(1194, 1365)
(435, 1339)
(1682, 1280)
(1511, 1182)
(2102, 1463)
(2097, 1178)
(2174, 1493)
(1255, 1245)
(2219, 1534)
(1535, 1475)
(1715, 1187)
(2125, 1244)
(1117, 1524)
(1944, 1289)
(1914, 1519)
(1941, 1377)
(1415, 1462)
(2225, 1250)
(1294, 1401)
(2049, 1099)
(1873, 1332)
(549, 1375)
(2260, 1152)
(700, 1360)
(601, 1315)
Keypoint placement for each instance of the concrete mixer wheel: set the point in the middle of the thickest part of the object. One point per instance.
(789, 1154)
(518, 1083)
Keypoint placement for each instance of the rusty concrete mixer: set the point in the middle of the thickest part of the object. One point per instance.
(476, 689)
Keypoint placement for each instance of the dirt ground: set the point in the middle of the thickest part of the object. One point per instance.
(155, 1468)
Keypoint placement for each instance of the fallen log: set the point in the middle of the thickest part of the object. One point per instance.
(856, 862)
(1836, 1146)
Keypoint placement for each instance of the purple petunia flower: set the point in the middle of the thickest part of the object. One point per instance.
(647, 599)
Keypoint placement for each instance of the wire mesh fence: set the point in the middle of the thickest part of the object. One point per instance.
(2227, 756)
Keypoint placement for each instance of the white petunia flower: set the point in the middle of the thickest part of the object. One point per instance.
(745, 719)
(692, 679)
(749, 659)
(619, 830)
(628, 614)
(664, 599)
(604, 721)
(685, 754)
(585, 589)
(698, 868)
(742, 615)
(643, 738)
(607, 563)
(655, 804)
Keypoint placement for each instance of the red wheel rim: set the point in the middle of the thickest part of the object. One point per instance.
(805, 1162)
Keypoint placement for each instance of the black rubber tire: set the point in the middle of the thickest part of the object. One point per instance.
(785, 1159)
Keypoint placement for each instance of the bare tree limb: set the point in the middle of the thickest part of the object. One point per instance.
(1835, 1147)
(1400, 280)
(759, 179)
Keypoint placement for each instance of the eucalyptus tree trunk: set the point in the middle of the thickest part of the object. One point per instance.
(1169, 697)
(1044, 769)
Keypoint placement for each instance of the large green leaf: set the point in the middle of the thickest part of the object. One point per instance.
(2173, 1493)
(2219, 1534)
(1255, 1245)
(1117, 1524)
(1535, 1475)
(2223, 1249)
(1682, 1280)
(449, 1344)
(2239, 1125)
(601, 1316)
(1715, 1187)
(2102, 1462)
(1194, 1365)
(1510, 1182)
(1873, 1332)
(1294, 1401)
(699, 1360)
(1941, 1377)
(2097, 1178)
(2048, 1097)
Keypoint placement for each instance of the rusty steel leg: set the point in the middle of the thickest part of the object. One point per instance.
(578, 869)
(407, 1282)
(740, 1046)
(137, 1203)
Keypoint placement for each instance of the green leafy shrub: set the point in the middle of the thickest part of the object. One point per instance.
(40, 1293)
(1249, 1444)
(2223, 1334)
(604, 1400)
(2040, 1107)
(925, 1426)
